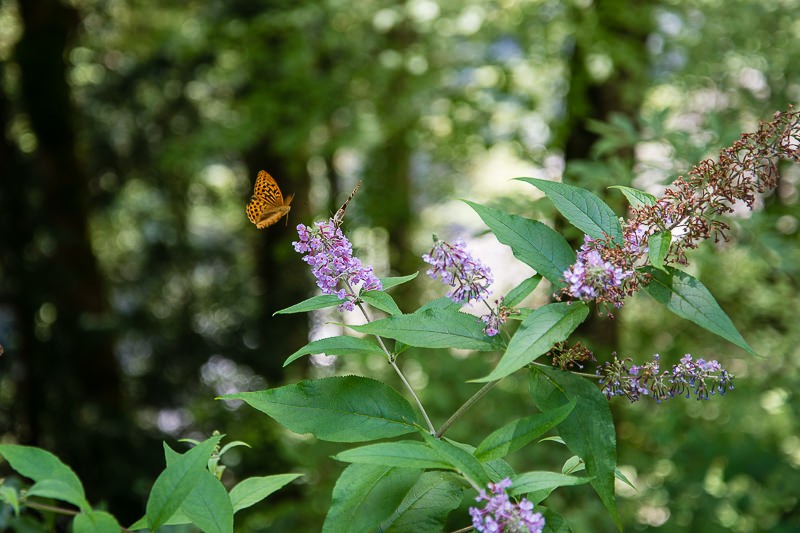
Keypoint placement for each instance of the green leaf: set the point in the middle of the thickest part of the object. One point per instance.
(252, 490)
(208, 505)
(434, 328)
(381, 300)
(554, 522)
(543, 482)
(320, 301)
(688, 298)
(401, 454)
(339, 409)
(518, 433)
(53, 479)
(538, 333)
(582, 208)
(427, 504)
(340, 345)
(636, 197)
(658, 247)
(588, 431)
(95, 522)
(389, 282)
(521, 291)
(366, 495)
(175, 483)
(532, 242)
(458, 459)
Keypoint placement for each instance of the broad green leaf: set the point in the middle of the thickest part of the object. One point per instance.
(458, 459)
(658, 247)
(320, 301)
(521, 291)
(366, 495)
(582, 208)
(208, 505)
(543, 482)
(427, 504)
(95, 522)
(532, 242)
(688, 298)
(53, 479)
(518, 433)
(554, 522)
(381, 300)
(636, 197)
(175, 483)
(588, 431)
(538, 333)
(401, 454)
(393, 281)
(339, 409)
(434, 328)
(252, 490)
(340, 345)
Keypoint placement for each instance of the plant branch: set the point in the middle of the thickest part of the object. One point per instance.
(461, 410)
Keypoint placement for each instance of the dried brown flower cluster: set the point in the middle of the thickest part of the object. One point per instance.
(691, 207)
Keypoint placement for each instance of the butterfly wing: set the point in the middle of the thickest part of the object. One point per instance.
(339, 216)
(267, 206)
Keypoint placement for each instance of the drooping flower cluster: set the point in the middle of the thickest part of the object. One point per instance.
(691, 207)
(330, 255)
(593, 277)
(501, 515)
(701, 377)
(689, 211)
(469, 278)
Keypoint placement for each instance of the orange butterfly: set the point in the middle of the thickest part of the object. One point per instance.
(267, 205)
(339, 216)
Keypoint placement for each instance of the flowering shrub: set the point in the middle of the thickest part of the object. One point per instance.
(419, 478)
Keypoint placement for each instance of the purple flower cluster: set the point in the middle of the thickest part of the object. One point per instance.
(330, 255)
(594, 278)
(497, 316)
(501, 515)
(469, 278)
(701, 377)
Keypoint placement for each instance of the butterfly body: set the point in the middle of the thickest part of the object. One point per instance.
(339, 216)
(267, 205)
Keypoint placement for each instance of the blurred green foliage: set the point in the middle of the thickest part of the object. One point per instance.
(166, 110)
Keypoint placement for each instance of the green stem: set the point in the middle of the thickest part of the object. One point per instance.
(461, 410)
(392, 362)
(584, 374)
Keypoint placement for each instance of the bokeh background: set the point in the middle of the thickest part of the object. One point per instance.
(133, 289)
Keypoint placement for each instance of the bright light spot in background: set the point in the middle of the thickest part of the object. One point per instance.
(423, 10)
(173, 421)
(224, 376)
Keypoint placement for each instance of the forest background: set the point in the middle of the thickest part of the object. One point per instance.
(133, 289)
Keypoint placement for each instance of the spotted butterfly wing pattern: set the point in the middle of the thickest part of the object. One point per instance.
(267, 205)
(339, 216)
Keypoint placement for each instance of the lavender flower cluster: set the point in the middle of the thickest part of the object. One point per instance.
(469, 278)
(592, 277)
(501, 515)
(330, 255)
(701, 377)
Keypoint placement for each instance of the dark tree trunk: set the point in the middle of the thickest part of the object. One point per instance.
(70, 388)
(620, 31)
